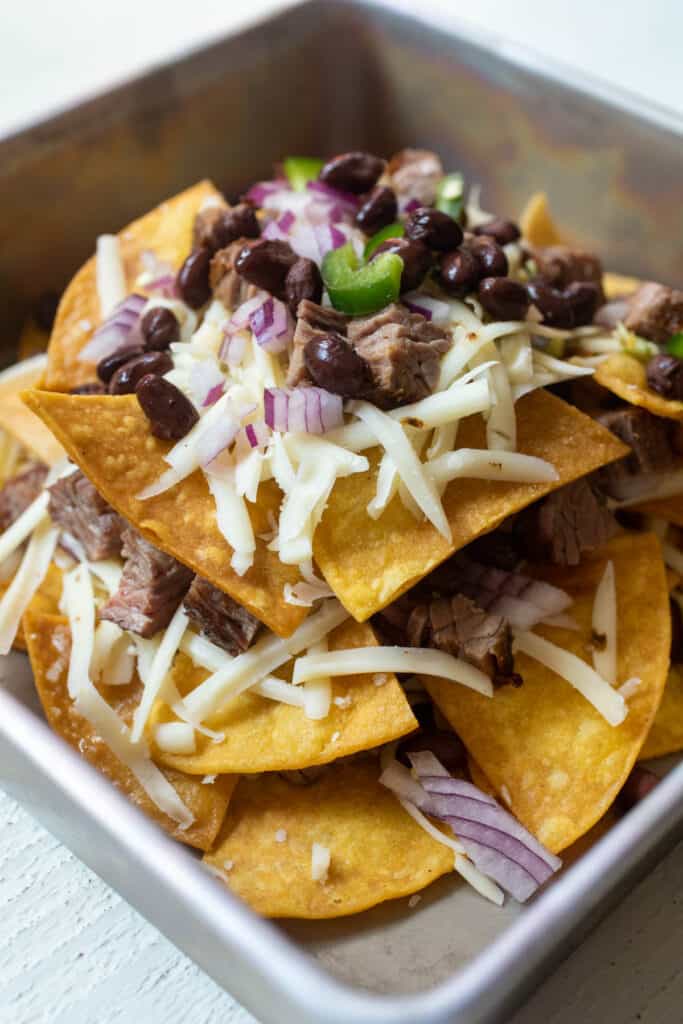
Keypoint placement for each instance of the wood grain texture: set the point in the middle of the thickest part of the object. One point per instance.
(72, 952)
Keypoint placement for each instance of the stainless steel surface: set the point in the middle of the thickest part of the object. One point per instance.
(320, 78)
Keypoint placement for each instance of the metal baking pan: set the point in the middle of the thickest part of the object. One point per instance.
(320, 78)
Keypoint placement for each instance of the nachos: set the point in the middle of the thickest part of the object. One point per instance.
(319, 499)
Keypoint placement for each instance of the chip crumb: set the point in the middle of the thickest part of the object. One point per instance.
(380, 678)
(320, 862)
(281, 835)
(208, 780)
(414, 900)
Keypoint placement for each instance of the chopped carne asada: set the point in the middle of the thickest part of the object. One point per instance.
(152, 586)
(20, 491)
(650, 438)
(77, 506)
(222, 620)
(566, 523)
(227, 285)
(562, 265)
(655, 312)
(415, 174)
(403, 351)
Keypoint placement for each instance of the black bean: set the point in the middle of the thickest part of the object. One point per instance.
(584, 298)
(676, 633)
(303, 281)
(446, 746)
(45, 310)
(503, 298)
(266, 264)
(434, 228)
(92, 387)
(638, 785)
(124, 380)
(570, 307)
(665, 376)
(352, 172)
(503, 231)
(334, 364)
(416, 257)
(460, 272)
(193, 278)
(489, 255)
(107, 367)
(170, 413)
(160, 328)
(238, 222)
(378, 210)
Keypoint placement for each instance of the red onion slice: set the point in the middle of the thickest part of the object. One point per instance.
(274, 233)
(308, 410)
(120, 330)
(328, 237)
(206, 382)
(523, 601)
(262, 190)
(272, 325)
(257, 434)
(432, 309)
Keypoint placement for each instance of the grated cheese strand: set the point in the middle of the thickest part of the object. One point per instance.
(604, 624)
(175, 737)
(159, 669)
(212, 657)
(24, 525)
(110, 276)
(320, 862)
(391, 436)
(597, 691)
(481, 464)
(362, 660)
(30, 575)
(233, 521)
(318, 691)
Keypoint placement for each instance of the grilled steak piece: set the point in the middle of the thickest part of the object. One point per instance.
(655, 312)
(415, 174)
(21, 491)
(227, 285)
(403, 351)
(562, 265)
(222, 620)
(458, 626)
(563, 525)
(77, 506)
(152, 586)
(652, 440)
(313, 321)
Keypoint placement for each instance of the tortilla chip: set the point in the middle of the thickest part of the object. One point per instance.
(666, 734)
(561, 763)
(32, 340)
(536, 224)
(49, 646)
(626, 377)
(109, 437)
(262, 735)
(670, 509)
(45, 601)
(369, 562)
(617, 286)
(19, 421)
(377, 852)
(167, 232)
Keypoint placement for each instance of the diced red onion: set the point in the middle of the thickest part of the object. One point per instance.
(286, 221)
(274, 233)
(260, 192)
(257, 434)
(308, 410)
(165, 286)
(213, 395)
(120, 330)
(495, 841)
(233, 348)
(216, 440)
(336, 195)
(206, 382)
(522, 600)
(272, 325)
(412, 204)
(328, 237)
(240, 318)
(430, 308)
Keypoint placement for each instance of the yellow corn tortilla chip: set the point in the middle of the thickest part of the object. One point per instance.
(18, 420)
(560, 761)
(49, 646)
(45, 601)
(32, 340)
(262, 735)
(666, 734)
(670, 509)
(536, 223)
(108, 437)
(165, 231)
(626, 377)
(377, 852)
(618, 285)
(369, 562)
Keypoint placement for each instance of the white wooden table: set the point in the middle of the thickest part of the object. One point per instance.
(71, 951)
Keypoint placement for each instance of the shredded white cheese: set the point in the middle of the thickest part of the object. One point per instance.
(110, 276)
(233, 521)
(361, 660)
(160, 667)
(30, 575)
(24, 525)
(581, 676)
(175, 737)
(605, 627)
(481, 464)
(317, 691)
(320, 863)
